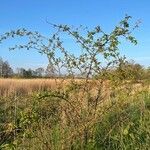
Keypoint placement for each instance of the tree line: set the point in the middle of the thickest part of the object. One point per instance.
(128, 70)
(6, 71)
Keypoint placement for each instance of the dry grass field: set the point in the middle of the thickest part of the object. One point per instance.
(25, 86)
(59, 114)
(28, 86)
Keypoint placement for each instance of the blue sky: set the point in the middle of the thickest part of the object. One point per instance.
(106, 13)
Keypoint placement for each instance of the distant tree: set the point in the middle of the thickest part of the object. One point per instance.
(5, 69)
(28, 73)
(50, 71)
(39, 72)
(20, 72)
(23, 73)
(130, 70)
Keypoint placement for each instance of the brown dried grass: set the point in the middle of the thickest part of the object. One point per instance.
(25, 86)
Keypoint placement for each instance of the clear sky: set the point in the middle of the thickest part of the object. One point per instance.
(32, 14)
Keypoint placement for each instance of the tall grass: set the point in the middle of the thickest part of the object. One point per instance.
(25, 86)
(70, 118)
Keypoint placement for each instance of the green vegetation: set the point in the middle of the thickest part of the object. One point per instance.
(107, 109)
(54, 120)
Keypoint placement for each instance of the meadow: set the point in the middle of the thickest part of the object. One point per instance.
(24, 86)
(73, 114)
